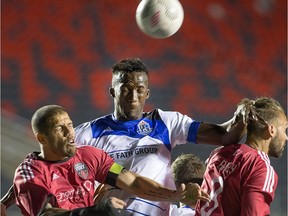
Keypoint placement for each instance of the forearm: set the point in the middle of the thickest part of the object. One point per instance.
(227, 133)
(9, 198)
(146, 188)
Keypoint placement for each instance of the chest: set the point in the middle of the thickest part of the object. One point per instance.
(71, 184)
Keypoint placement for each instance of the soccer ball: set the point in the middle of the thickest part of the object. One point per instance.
(159, 18)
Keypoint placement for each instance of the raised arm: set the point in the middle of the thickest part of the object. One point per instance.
(148, 189)
(229, 132)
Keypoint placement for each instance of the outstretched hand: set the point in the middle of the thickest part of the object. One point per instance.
(193, 192)
(246, 111)
(242, 115)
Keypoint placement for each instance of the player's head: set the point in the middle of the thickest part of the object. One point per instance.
(54, 131)
(188, 168)
(271, 125)
(130, 79)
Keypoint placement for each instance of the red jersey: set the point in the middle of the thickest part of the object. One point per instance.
(240, 181)
(66, 184)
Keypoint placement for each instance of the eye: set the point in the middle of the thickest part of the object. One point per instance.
(58, 128)
(124, 89)
(141, 90)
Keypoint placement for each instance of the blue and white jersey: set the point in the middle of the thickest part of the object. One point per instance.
(142, 146)
(181, 211)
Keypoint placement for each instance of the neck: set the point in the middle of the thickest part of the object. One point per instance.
(261, 145)
(119, 117)
(53, 158)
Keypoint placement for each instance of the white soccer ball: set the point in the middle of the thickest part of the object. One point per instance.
(159, 18)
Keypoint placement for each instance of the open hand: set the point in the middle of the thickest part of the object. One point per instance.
(193, 193)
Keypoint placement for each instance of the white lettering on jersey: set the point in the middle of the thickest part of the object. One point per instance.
(136, 151)
(226, 168)
(217, 188)
(55, 176)
(75, 194)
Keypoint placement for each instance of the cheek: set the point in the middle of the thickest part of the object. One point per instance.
(143, 97)
(283, 135)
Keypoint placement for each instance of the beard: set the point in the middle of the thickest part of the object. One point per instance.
(70, 151)
(275, 148)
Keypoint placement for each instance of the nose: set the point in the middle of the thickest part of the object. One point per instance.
(133, 95)
(68, 130)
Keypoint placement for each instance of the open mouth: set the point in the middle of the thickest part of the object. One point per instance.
(71, 142)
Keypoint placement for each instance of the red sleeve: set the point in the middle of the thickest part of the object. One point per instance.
(258, 189)
(254, 203)
(30, 197)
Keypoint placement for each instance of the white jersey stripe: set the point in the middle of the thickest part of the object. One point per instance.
(270, 170)
(269, 179)
(273, 181)
(271, 173)
(272, 176)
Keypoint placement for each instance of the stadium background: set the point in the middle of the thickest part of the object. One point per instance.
(61, 52)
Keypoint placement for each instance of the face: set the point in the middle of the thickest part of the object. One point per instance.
(59, 139)
(130, 92)
(278, 142)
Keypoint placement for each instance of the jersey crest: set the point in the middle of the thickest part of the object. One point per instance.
(81, 170)
(143, 128)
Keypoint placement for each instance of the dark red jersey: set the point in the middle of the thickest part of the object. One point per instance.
(240, 181)
(66, 184)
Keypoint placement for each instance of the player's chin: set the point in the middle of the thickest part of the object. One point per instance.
(133, 114)
(277, 154)
(71, 150)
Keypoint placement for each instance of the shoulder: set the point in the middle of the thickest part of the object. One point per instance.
(89, 124)
(256, 164)
(236, 153)
(30, 169)
(167, 115)
(92, 129)
(165, 112)
(88, 150)
(90, 153)
(254, 156)
(30, 162)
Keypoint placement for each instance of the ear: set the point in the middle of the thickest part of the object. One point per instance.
(112, 92)
(148, 93)
(271, 130)
(40, 138)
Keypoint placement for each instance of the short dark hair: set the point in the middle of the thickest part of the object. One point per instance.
(188, 168)
(129, 65)
(39, 119)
